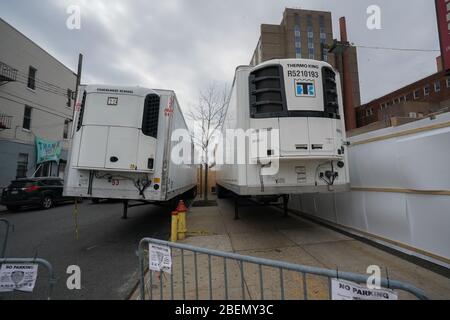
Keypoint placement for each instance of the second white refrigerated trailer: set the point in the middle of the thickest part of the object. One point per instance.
(300, 100)
(121, 146)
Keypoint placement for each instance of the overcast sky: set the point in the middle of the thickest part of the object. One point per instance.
(185, 44)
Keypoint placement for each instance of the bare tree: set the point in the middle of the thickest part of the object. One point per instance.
(208, 117)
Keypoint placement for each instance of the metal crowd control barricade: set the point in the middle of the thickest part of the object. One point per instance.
(200, 273)
(41, 262)
(5, 238)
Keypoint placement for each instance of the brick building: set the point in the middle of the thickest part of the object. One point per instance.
(416, 100)
(305, 34)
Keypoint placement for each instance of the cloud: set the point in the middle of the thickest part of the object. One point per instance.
(183, 45)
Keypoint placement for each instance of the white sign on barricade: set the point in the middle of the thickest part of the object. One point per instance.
(160, 258)
(20, 277)
(346, 290)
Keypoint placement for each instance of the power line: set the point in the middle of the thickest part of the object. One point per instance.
(24, 80)
(33, 105)
(25, 75)
(393, 49)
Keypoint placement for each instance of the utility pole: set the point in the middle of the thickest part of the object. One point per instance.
(79, 71)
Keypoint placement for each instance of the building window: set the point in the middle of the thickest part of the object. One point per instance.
(66, 129)
(310, 31)
(416, 94)
(27, 118)
(298, 44)
(22, 166)
(369, 112)
(448, 82)
(32, 78)
(322, 21)
(426, 90)
(311, 53)
(323, 35)
(437, 86)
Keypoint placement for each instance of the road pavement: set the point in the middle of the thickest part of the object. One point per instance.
(105, 251)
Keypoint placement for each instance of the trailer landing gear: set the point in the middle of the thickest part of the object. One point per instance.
(285, 205)
(125, 210)
(271, 202)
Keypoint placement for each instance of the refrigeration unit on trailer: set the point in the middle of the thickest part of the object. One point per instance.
(300, 100)
(121, 146)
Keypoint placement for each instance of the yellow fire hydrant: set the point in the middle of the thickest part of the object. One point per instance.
(174, 229)
(182, 229)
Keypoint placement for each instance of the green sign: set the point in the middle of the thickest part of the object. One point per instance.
(47, 150)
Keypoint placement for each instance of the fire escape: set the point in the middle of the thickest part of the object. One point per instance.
(7, 74)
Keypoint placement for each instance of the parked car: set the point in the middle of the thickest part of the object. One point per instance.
(42, 192)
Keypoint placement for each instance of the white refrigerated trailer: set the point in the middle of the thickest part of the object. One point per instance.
(121, 146)
(301, 100)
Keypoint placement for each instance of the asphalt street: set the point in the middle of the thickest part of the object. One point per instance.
(105, 251)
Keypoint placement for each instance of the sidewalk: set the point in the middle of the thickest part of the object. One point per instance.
(264, 232)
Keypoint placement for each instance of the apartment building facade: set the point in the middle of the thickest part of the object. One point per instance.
(304, 34)
(36, 107)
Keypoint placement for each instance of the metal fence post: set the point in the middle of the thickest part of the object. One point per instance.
(5, 239)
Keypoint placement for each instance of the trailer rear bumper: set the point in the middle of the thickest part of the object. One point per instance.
(100, 193)
(282, 190)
